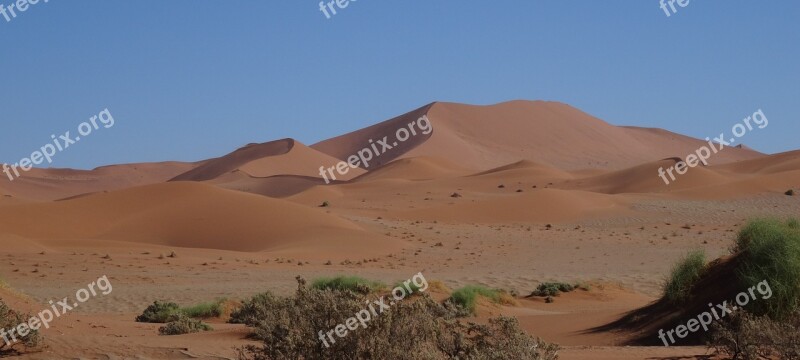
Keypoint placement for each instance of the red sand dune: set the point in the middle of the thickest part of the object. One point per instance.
(526, 169)
(556, 134)
(53, 184)
(788, 161)
(344, 146)
(193, 215)
(281, 157)
(645, 179)
(421, 168)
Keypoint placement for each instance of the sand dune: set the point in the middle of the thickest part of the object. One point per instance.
(421, 168)
(189, 215)
(281, 157)
(278, 186)
(343, 146)
(666, 142)
(466, 204)
(526, 169)
(645, 179)
(315, 195)
(543, 140)
(550, 133)
(53, 184)
(771, 164)
(777, 183)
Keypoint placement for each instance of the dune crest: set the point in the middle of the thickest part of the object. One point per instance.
(551, 133)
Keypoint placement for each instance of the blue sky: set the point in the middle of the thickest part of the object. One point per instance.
(193, 79)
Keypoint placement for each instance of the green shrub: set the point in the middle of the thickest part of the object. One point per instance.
(254, 309)
(553, 289)
(159, 312)
(770, 250)
(181, 324)
(683, 277)
(10, 319)
(352, 283)
(205, 310)
(467, 297)
(419, 328)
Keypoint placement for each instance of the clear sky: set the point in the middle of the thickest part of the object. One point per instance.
(193, 79)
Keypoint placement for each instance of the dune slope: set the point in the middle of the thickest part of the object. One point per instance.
(188, 214)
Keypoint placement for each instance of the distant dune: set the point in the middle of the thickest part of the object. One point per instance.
(645, 179)
(514, 161)
(556, 134)
(281, 157)
(53, 184)
(773, 164)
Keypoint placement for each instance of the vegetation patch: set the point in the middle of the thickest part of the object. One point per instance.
(550, 289)
(205, 310)
(161, 312)
(181, 324)
(254, 309)
(348, 283)
(466, 298)
(749, 337)
(294, 327)
(683, 277)
(10, 319)
(770, 250)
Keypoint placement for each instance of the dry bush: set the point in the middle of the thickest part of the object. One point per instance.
(10, 319)
(159, 312)
(415, 328)
(750, 337)
(181, 324)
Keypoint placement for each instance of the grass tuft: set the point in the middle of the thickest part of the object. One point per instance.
(467, 297)
(352, 283)
(163, 312)
(770, 251)
(684, 275)
(205, 310)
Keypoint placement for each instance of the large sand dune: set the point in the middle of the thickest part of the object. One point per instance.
(556, 134)
(192, 215)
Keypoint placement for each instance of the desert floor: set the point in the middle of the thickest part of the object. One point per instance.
(625, 257)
